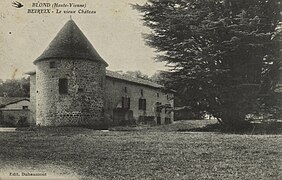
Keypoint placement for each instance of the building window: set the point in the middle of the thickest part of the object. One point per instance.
(52, 64)
(142, 104)
(63, 86)
(167, 120)
(25, 107)
(158, 94)
(159, 122)
(125, 103)
(158, 107)
(141, 91)
(167, 97)
(125, 89)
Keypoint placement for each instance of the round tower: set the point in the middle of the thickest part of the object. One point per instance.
(70, 77)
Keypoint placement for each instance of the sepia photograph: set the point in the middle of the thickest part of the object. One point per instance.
(140, 89)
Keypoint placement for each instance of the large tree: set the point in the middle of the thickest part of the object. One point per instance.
(223, 56)
(15, 87)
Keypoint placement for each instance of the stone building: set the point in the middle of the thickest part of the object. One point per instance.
(71, 86)
(14, 111)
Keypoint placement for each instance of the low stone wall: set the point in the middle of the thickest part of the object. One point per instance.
(15, 117)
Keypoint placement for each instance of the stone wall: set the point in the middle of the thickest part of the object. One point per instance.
(115, 90)
(13, 116)
(32, 98)
(82, 105)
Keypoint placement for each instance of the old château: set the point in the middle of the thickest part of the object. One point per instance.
(71, 86)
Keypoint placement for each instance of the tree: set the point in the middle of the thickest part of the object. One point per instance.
(138, 74)
(15, 87)
(223, 57)
(159, 77)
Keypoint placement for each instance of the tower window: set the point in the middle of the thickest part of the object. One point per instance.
(63, 86)
(141, 91)
(142, 104)
(125, 89)
(52, 64)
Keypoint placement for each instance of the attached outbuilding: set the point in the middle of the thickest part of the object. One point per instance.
(15, 111)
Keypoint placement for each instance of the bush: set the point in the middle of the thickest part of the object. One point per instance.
(23, 122)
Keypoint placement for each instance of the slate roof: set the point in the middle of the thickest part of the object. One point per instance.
(128, 78)
(70, 43)
(4, 101)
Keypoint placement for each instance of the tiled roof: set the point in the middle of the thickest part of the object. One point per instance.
(125, 77)
(70, 43)
(4, 101)
(128, 78)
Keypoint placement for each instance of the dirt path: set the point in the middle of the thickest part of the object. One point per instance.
(6, 129)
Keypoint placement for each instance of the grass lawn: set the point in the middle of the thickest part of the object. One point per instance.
(160, 154)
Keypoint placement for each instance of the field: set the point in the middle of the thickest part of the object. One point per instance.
(157, 153)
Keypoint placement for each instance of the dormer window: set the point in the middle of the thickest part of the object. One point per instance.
(52, 64)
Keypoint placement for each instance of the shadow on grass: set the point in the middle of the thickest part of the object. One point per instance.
(62, 129)
(250, 128)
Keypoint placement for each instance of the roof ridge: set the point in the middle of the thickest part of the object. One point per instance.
(4, 101)
(129, 78)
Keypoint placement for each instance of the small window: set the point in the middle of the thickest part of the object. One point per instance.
(159, 122)
(167, 97)
(167, 120)
(141, 91)
(142, 104)
(125, 103)
(63, 86)
(158, 94)
(158, 107)
(125, 89)
(25, 107)
(52, 64)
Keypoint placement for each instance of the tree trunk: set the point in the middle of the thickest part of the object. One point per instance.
(235, 121)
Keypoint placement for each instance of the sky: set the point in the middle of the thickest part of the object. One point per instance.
(115, 31)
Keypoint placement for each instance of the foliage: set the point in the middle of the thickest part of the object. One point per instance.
(223, 56)
(15, 87)
(138, 74)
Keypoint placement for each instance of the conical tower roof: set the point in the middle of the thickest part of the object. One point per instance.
(70, 43)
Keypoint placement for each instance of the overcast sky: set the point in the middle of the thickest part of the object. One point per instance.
(115, 31)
